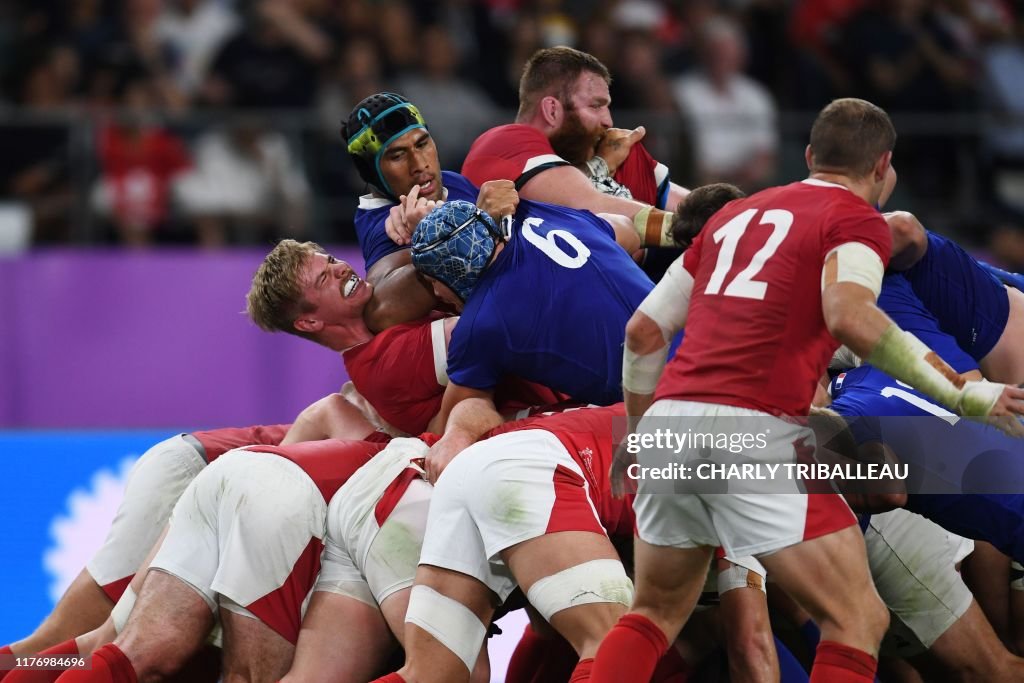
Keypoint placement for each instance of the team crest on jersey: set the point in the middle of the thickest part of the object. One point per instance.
(587, 456)
(80, 533)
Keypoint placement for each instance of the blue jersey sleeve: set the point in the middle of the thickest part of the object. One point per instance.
(969, 303)
(373, 239)
(474, 358)
(898, 300)
(373, 212)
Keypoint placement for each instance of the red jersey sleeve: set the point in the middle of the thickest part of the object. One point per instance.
(514, 152)
(646, 178)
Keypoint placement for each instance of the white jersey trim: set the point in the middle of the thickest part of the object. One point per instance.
(440, 349)
(823, 183)
(368, 202)
(541, 160)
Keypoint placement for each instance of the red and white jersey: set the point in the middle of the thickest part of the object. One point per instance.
(329, 463)
(646, 177)
(755, 333)
(587, 434)
(401, 372)
(217, 442)
(512, 152)
(518, 152)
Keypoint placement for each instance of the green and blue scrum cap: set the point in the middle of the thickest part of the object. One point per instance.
(374, 124)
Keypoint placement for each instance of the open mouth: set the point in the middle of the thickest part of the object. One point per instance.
(350, 285)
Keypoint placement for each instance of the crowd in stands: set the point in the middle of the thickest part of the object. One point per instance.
(216, 121)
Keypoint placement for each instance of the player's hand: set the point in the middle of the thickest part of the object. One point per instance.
(498, 198)
(614, 146)
(617, 476)
(405, 216)
(1001, 403)
(442, 452)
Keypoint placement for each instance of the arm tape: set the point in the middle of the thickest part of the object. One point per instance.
(853, 262)
(654, 227)
(640, 373)
(907, 358)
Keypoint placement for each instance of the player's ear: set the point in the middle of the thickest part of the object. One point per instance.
(308, 324)
(552, 111)
(882, 166)
(809, 158)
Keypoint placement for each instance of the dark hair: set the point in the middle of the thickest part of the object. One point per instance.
(698, 206)
(849, 136)
(552, 71)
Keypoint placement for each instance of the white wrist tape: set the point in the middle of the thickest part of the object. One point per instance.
(122, 609)
(584, 584)
(906, 358)
(640, 373)
(853, 262)
(452, 623)
(669, 302)
(978, 398)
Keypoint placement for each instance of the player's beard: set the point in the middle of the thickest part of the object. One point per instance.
(573, 141)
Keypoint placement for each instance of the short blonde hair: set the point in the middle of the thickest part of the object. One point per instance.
(275, 300)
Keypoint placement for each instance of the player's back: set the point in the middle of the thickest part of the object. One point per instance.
(552, 308)
(755, 333)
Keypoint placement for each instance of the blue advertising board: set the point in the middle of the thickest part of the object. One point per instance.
(59, 492)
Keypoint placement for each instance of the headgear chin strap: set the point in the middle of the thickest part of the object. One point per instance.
(453, 244)
(374, 124)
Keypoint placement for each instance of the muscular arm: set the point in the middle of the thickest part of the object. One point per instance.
(909, 239)
(400, 295)
(658, 318)
(643, 338)
(625, 234)
(676, 194)
(466, 414)
(853, 318)
(567, 186)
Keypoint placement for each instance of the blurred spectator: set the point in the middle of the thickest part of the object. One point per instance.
(732, 117)
(246, 187)
(193, 31)
(911, 61)
(139, 161)
(353, 76)
(35, 167)
(816, 30)
(273, 63)
(397, 32)
(458, 110)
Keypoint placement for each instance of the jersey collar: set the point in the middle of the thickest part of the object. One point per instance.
(824, 183)
(368, 202)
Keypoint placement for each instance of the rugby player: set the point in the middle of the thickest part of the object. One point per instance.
(753, 295)
(580, 285)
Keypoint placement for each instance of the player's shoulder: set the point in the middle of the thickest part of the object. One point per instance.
(459, 186)
(507, 135)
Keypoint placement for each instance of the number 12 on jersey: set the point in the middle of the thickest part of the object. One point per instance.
(743, 284)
